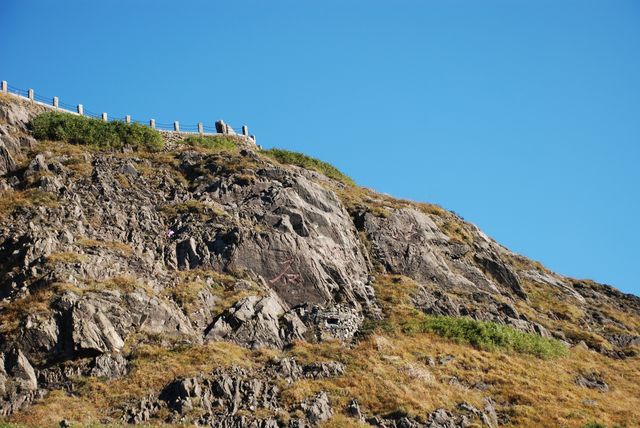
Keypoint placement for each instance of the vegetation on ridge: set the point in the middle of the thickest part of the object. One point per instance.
(304, 161)
(82, 130)
(212, 142)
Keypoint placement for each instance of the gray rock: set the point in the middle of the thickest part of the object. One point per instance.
(92, 332)
(109, 366)
(257, 321)
(289, 369)
(501, 272)
(353, 410)
(7, 163)
(19, 369)
(317, 409)
(592, 381)
(442, 418)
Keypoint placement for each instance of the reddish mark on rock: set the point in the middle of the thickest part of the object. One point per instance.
(285, 274)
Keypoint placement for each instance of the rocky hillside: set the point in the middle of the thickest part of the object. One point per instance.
(211, 283)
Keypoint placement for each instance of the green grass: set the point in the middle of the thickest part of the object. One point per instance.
(82, 130)
(304, 161)
(487, 336)
(215, 142)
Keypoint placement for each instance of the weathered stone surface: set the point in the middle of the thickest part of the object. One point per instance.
(257, 321)
(303, 264)
(442, 418)
(408, 242)
(92, 331)
(7, 163)
(592, 381)
(18, 382)
(317, 409)
(353, 410)
(288, 368)
(110, 366)
(20, 371)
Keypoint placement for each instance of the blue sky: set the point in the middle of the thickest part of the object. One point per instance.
(521, 116)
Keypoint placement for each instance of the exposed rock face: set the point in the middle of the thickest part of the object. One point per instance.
(408, 242)
(308, 250)
(103, 253)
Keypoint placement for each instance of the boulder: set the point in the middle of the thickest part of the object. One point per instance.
(256, 322)
(19, 369)
(317, 409)
(109, 366)
(92, 331)
(592, 380)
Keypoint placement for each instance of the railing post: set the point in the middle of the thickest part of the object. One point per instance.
(152, 123)
(80, 110)
(4, 87)
(176, 126)
(200, 128)
(30, 94)
(104, 117)
(127, 119)
(245, 130)
(55, 102)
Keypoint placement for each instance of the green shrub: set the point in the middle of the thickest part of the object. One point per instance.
(216, 142)
(294, 158)
(485, 335)
(82, 130)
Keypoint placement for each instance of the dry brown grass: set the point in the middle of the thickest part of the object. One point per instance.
(222, 286)
(385, 374)
(62, 149)
(119, 247)
(58, 405)
(557, 310)
(388, 372)
(14, 312)
(152, 367)
(124, 283)
(65, 257)
(79, 166)
(11, 200)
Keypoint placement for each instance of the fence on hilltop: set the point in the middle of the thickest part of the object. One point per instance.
(54, 103)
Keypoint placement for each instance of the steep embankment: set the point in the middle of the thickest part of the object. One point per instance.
(211, 283)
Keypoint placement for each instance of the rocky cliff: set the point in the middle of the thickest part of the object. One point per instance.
(221, 287)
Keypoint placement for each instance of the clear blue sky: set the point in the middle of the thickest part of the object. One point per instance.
(521, 116)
